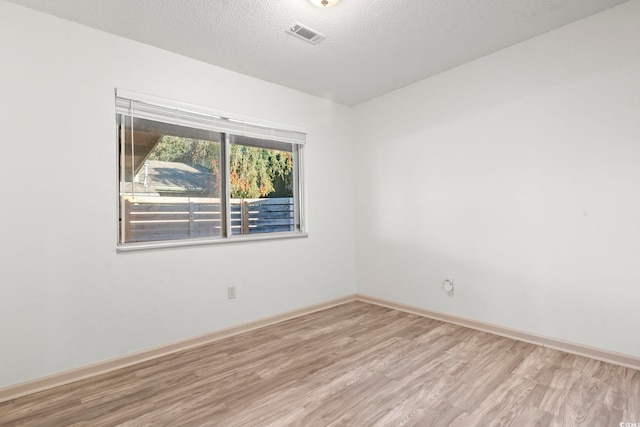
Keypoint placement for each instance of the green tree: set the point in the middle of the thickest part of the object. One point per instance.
(254, 172)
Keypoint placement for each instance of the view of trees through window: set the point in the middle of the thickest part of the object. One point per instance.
(254, 172)
(185, 176)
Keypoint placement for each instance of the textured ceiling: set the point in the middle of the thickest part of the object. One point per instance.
(372, 46)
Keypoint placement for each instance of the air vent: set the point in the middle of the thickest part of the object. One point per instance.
(305, 33)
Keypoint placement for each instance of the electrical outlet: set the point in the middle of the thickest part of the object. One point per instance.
(231, 292)
(448, 285)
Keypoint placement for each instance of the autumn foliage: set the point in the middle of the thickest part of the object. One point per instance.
(254, 172)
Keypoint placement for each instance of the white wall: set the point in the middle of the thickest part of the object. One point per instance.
(518, 175)
(66, 297)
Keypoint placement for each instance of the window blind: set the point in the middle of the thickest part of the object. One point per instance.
(182, 116)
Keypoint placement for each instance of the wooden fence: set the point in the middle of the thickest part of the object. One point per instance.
(169, 218)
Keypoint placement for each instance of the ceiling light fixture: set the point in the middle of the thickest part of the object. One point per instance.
(324, 3)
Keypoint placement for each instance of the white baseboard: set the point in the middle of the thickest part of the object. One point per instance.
(566, 346)
(65, 377)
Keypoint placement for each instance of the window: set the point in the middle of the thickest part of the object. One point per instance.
(187, 176)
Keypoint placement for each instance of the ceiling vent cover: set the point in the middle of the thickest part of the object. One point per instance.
(305, 33)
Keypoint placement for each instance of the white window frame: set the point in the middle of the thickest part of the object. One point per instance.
(143, 106)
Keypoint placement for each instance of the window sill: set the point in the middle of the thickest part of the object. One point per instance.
(130, 247)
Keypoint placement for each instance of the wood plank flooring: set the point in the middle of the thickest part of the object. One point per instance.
(353, 365)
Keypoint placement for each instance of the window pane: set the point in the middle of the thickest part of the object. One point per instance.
(262, 187)
(170, 181)
(185, 174)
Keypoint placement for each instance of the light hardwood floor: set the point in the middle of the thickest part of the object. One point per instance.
(353, 365)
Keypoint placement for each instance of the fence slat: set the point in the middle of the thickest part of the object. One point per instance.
(166, 218)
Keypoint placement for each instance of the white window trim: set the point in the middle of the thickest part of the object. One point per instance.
(131, 247)
(237, 128)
